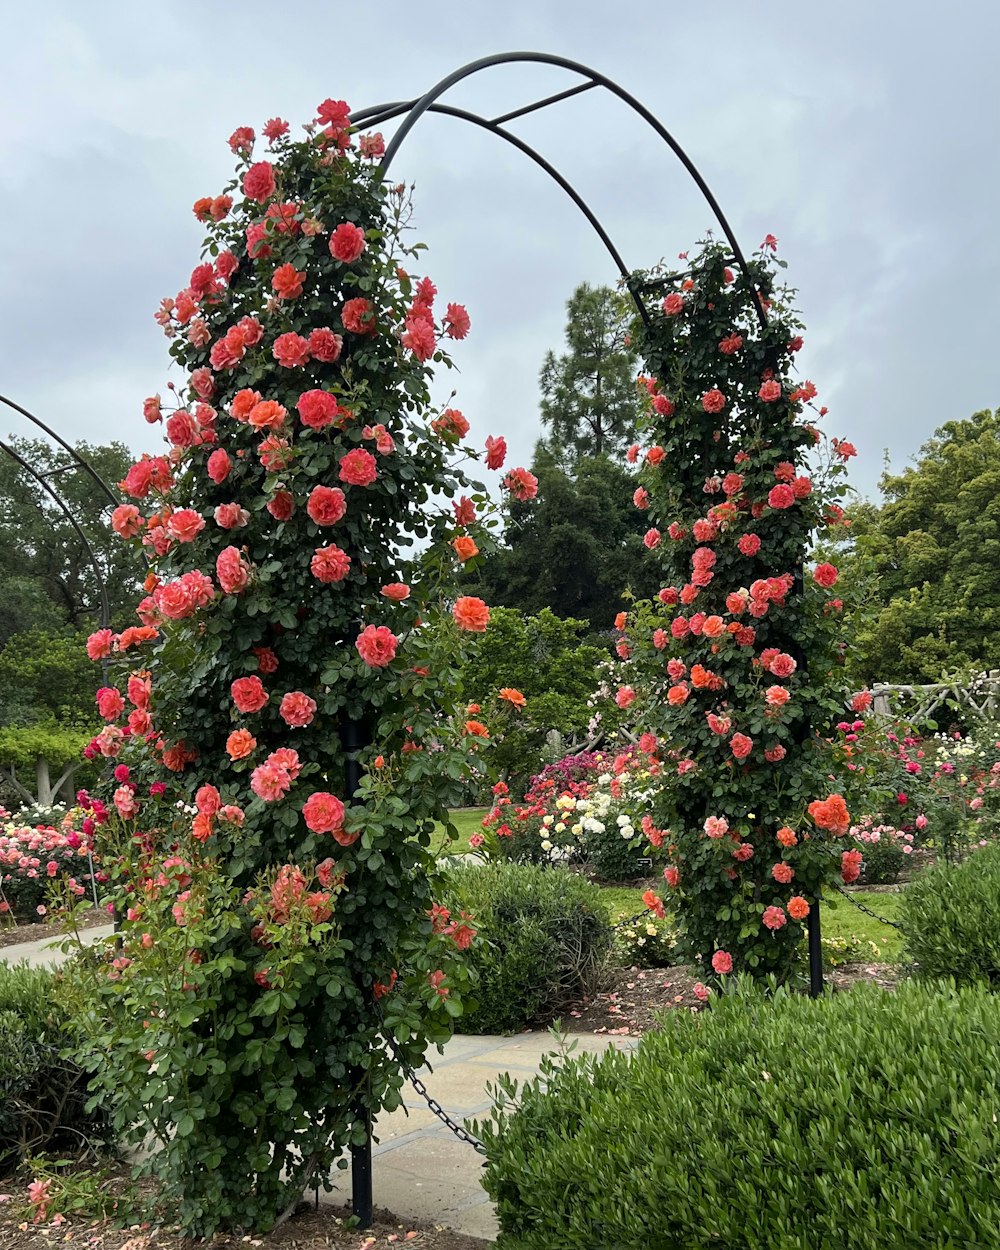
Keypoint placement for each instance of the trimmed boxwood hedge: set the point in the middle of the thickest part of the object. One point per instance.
(950, 917)
(544, 939)
(863, 1121)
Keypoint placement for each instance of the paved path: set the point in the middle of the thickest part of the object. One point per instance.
(421, 1171)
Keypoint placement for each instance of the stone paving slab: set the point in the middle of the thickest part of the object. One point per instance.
(420, 1169)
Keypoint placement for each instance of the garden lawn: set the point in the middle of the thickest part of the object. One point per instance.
(467, 820)
(837, 918)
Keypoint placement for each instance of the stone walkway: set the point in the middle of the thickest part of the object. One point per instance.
(421, 1170)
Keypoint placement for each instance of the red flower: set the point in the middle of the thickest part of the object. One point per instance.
(287, 281)
(456, 321)
(323, 812)
(248, 694)
(219, 466)
(850, 866)
(825, 575)
(347, 243)
(781, 496)
(376, 645)
(496, 452)
(258, 182)
(770, 391)
(731, 344)
(330, 564)
(713, 400)
(358, 467)
(326, 505)
(471, 614)
(673, 304)
(325, 345)
(233, 573)
(358, 316)
(521, 484)
(291, 351)
(740, 745)
(749, 544)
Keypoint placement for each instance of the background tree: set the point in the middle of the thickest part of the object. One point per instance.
(46, 579)
(931, 554)
(575, 548)
(589, 400)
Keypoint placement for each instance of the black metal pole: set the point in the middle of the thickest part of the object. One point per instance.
(361, 1155)
(815, 953)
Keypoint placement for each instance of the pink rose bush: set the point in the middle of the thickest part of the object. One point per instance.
(290, 689)
(736, 660)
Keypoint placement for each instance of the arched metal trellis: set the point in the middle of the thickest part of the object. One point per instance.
(411, 112)
(75, 462)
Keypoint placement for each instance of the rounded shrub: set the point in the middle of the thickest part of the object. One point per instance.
(42, 1095)
(857, 1121)
(544, 937)
(951, 923)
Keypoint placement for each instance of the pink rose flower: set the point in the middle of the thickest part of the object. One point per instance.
(330, 563)
(326, 505)
(232, 571)
(248, 694)
(358, 467)
(258, 182)
(347, 243)
(376, 645)
(297, 709)
(323, 812)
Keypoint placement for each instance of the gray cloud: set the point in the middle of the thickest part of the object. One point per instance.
(864, 136)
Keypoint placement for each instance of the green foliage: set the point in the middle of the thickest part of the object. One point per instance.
(542, 657)
(42, 1095)
(46, 578)
(735, 665)
(857, 1121)
(950, 920)
(576, 548)
(543, 939)
(589, 403)
(45, 676)
(929, 555)
(236, 1023)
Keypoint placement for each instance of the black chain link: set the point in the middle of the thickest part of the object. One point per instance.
(624, 924)
(867, 910)
(456, 1128)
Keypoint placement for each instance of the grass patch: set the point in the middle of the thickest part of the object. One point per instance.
(467, 821)
(838, 918)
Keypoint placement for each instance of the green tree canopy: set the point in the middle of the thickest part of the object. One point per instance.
(931, 553)
(577, 547)
(589, 399)
(46, 578)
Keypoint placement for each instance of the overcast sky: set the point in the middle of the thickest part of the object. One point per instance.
(864, 134)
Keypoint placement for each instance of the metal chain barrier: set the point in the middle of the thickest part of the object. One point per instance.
(456, 1128)
(867, 910)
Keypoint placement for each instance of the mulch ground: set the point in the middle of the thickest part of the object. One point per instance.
(309, 1229)
(635, 997)
(39, 932)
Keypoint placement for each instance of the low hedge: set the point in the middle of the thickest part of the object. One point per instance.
(862, 1121)
(42, 1096)
(544, 937)
(951, 920)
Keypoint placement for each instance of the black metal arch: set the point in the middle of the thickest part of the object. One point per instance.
(429, 103)
(76, 462)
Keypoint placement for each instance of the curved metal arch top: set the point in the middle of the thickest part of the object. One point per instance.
(429, 103)
(76, 462)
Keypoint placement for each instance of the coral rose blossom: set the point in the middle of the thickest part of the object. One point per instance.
(358, 468)
(786, 836)
(281, 506)
(512, 696)
(782, 872)
(781, 496)
(317, 409)
(521, 484)
(773, 918)
(232, 571)
(465, 548)
(240, 744)
(110, 703)
(749, 544)
(258, 182)
(185, 525)
(496, 452)
(287, 281)
(376, 645)
(325, 345)
(825, 575)
(396, 591)
(291, 350)
(219, 466)
(471, 614)
(358, 316)
(297, 709)
(326, 504)
(248, 694)
(741, 746)
(722, 962)
(323, 812)
(713, 400)
(798, 908)
(831, 813)
(330, 564)
(456, 321)
(347, 243)
(776, 696)
(126, 520)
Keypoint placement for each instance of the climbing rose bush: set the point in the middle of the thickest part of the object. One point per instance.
(736, 663)
(271, 912)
